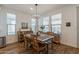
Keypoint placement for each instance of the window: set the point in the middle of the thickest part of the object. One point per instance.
(33, 24)
(46, 24)
(40, 21)
(11, 22)
(56, 23)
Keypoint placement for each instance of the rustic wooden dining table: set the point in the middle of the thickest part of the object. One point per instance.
(43, 38)
(46, 39)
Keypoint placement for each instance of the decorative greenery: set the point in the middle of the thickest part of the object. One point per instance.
(42, 27)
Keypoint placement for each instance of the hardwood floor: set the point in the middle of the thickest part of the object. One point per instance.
(18, 48)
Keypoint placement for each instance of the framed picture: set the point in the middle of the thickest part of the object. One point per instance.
(68, 24)
(24, 25)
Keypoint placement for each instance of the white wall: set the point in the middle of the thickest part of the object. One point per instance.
(78, 27)
(20, 17)
(69, 34)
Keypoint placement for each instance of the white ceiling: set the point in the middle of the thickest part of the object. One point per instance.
(42, 8)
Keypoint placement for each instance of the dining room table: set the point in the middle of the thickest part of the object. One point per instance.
(43, 38)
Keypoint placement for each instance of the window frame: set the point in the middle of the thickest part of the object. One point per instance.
(34, 30)
(46, 24)
(14, 33)
(57, 23)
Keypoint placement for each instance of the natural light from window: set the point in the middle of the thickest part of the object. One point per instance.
(56, 23)
(46, 24)
(33, 24)
(11, 22)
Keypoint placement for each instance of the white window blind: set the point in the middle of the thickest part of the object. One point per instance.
(11, 23)
(33, 24)
(46, 24)
(56, 23)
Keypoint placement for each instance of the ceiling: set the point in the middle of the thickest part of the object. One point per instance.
(41, 8)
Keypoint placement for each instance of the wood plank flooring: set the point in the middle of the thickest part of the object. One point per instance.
(18, 48)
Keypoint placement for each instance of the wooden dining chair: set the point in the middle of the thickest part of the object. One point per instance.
(50, 33)
(27, 42)
(37, 46)
(20, 36)
(20, 39)
(27, 39)
(55, 40)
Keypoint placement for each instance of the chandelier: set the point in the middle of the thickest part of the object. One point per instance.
(36, 8)
(37, 18)
(36, 12)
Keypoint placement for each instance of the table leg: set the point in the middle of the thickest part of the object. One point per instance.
(47, 48)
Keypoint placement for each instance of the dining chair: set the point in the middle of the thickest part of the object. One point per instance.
(37, 46)
(20, 36)
(27, 42)
(20, 39)
(55, 40)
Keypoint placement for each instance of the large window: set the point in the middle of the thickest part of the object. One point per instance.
(33, 24)
(46, 24)
(56, 23)
(11, 22)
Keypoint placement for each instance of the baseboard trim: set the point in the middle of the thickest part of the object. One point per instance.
(11, 43)
(68, 45)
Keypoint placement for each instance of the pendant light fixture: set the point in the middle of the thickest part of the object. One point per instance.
(36, 10)
(36, 17)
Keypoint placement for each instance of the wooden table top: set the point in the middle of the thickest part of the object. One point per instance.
(42, 37)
